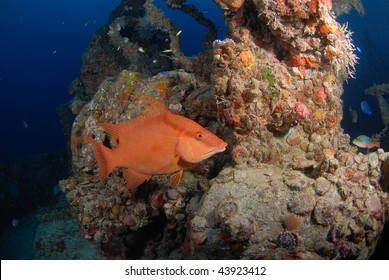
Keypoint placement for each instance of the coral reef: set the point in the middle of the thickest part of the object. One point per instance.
(290, 185)
(113, 200)
(267, 212)
(282, 95)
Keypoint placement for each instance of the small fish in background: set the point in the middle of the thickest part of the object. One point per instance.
(54, 51)
(359, 49)
(363, 141)
(173, 88)
(178, 33)
(365, 108)
(353, 114)
(140, 49)
(15, 222)
(25, 124)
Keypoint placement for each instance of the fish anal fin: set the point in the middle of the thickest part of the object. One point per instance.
(134, 179)
(175, 178)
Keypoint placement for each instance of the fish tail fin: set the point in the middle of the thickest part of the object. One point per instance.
(103, 156)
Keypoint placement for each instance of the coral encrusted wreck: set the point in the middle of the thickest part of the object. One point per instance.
(289, 186)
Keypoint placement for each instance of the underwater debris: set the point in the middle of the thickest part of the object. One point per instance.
(379, 91)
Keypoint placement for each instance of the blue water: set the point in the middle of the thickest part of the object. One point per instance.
(192, 36)
(371, 35)
(42, 42)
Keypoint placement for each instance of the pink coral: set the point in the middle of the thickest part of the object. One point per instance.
(301, 109)
(294, 141)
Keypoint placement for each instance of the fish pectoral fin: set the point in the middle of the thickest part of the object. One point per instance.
(134, 179)
(175, 178)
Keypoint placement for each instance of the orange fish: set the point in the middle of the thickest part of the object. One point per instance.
(157, 142)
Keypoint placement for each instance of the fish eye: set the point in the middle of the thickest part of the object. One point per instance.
(200, 136)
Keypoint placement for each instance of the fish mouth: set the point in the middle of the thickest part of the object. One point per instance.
(215, 151)
(212, 152)
(220, 149)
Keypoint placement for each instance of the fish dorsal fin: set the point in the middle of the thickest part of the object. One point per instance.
(153, 106)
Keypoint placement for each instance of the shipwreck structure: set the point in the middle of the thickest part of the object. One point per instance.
(289, 186)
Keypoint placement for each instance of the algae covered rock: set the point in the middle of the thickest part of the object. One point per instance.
(250, 212)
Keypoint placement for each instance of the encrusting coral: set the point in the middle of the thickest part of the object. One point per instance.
(290, 186)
